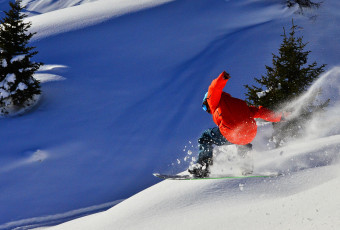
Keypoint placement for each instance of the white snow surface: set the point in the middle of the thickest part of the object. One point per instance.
(122, 88)
(304, 196)
(84, 15)
(306, 200)
(44, 6)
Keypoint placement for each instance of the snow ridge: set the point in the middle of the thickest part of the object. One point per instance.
(301, 197)
(91, 123)
(77, 17)
(58, 218)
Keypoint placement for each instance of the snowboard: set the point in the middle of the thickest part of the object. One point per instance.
(230, 176)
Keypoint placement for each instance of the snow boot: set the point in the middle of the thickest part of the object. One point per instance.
(200, 170)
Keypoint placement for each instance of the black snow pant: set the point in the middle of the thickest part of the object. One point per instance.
(212, 137)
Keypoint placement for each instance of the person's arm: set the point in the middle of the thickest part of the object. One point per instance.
(265, 114)
(215, 90)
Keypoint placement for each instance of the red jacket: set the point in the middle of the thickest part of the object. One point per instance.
(233, 116)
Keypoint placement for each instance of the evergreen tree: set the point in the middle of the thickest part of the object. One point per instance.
(304, 7)
(287, 79)
(303, 3)
(17, 85)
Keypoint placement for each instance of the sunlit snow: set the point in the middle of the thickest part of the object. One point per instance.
(122, 87)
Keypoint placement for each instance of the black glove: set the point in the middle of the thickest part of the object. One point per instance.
(226, 76)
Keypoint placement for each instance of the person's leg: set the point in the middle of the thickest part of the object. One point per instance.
(205, 147)
(208, 138)
(246, 159)
(243, 150)
(200, 169)
(205, 154)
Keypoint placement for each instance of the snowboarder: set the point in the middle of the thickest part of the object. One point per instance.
(236, 124)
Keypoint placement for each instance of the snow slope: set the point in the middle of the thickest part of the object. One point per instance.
(303, 197)
(122, 88)
(36, 7)
(44, 6)
(85, 15)
(303, 201)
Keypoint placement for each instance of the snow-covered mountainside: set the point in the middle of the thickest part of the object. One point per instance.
(122, 86)
(43, 6)
(303, 201)
(302, 197)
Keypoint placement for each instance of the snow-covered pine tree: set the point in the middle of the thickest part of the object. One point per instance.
(289, 77)
(17, 85)
(305, 7)
(303, 3)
